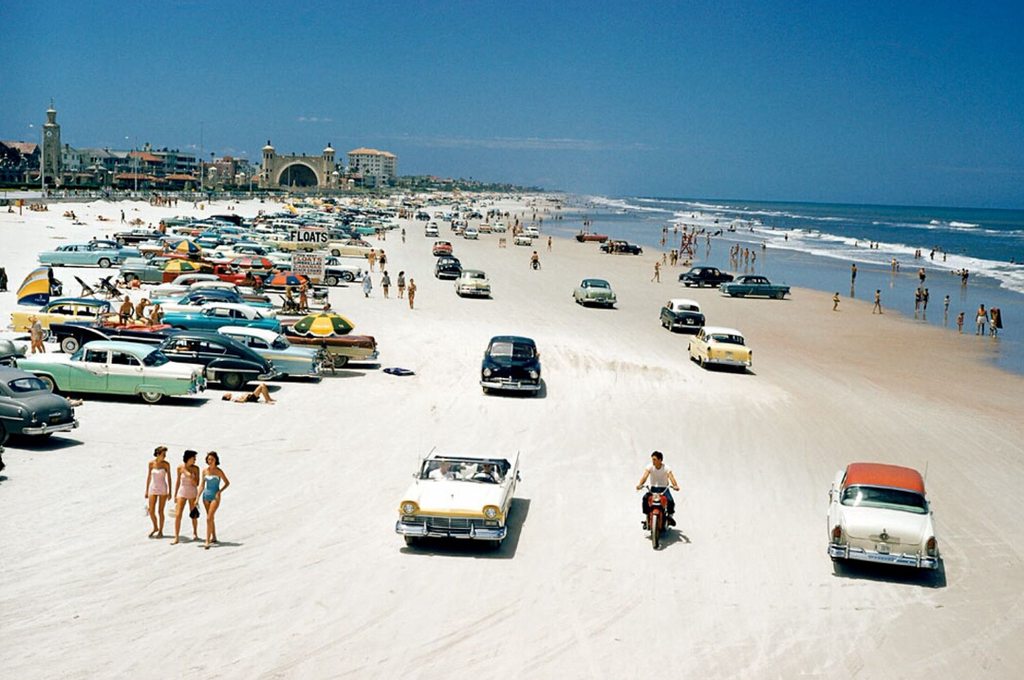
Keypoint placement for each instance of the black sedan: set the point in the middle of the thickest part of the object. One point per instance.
(227, 361)
(704, 276)
(29, 408)
(621, 248)
(447, 267)
(511, 363)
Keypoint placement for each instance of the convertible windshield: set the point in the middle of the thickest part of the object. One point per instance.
(477, 471)
(27, 385)
(880, 497)
(731, 339)
(155, 358)
(514, 350)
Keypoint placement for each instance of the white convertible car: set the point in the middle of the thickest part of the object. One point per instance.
(879, 513)
(459, 497)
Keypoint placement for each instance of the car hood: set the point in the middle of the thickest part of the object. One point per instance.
(453, 496)
(906, 528)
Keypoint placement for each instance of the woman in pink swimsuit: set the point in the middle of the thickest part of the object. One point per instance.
(186, 488)
(158, 488)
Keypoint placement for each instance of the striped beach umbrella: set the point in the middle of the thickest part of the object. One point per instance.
(187, 247)
(181, 267)
(283, 279)
(261, 263)
(323, 325)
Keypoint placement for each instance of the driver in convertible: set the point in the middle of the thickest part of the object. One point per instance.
(488, 474)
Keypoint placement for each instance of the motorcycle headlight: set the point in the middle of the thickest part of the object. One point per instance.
(534, 375)
(409, 508)
(490, 512)
(487, 373)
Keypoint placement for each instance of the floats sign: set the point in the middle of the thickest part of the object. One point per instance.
(309, 264)
(309, 236)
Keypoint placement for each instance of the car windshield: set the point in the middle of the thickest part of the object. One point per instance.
(595, 283)
(475, 275)
(727, 338)
(473, 471)
(155, 358)
(884, 497)
(22, 385)
(516, 350)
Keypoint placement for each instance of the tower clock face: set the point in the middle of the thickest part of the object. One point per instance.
(49, 133)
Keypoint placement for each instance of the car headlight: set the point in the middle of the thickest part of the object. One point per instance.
(490, 511)
(409, 508)
(487, 373)
(534, 375)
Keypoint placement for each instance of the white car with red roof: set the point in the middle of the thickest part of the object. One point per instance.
(880, 513)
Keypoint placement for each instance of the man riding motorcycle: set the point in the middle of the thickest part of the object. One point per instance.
(661, 477)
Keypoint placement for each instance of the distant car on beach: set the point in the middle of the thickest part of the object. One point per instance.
(447, 267)
(679, 313)
(594, 292)
(442, 248)
(750, 285)
(880, 513)
(511, 363)
(621, 248)
(473, 283)
(704, 276)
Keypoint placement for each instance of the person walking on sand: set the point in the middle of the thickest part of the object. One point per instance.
(924, 300)
(853, 273)
(549, 244)
(979, 321)
(835, 302)
(304, 297)
(412, 292)
(35, 331)
(878, 302)
(372, 257)
(382, 259)
(403, 241)
(158, 488)
(960, 323)
(401, 284)
(186, 488)
(385, 284)
(215, 483)
(995, 321)
(657, 272)
(945, 309)
(921, 275)
(367, 285)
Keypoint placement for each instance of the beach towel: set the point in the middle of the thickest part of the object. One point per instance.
(394, 370)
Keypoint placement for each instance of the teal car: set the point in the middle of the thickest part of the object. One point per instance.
(288, 360)
(750, 285)
(215, 315)
(97, 254)
(112, 367)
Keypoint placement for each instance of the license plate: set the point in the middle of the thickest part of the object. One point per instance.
(882, 548)
(689, 322)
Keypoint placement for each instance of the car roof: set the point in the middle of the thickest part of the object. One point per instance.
(514, 339)
(684, 301)
(81, 301)
(880, 474)
(713, 330)
(262, 333)
(138, 349)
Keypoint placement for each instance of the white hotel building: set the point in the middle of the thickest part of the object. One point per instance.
(376, 167)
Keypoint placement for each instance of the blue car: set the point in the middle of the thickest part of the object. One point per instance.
(197, 298)
(215, 315)
(95, 254)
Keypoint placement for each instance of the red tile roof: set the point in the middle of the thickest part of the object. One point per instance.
(879, 474)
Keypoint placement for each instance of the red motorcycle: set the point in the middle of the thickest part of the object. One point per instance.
(657, 513)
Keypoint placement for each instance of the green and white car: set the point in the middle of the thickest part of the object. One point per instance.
(113, 367)
(473, 282)
(594, 292)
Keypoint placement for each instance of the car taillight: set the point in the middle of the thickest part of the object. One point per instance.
(931, 547)
(837, 534)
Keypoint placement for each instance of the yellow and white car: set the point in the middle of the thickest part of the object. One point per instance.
(62, 310)
(718, 345)
(352, 247)
(459, 497)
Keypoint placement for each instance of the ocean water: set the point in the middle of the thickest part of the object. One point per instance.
(812, 245)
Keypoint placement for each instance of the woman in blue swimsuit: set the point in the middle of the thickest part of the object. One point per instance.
(214, 484)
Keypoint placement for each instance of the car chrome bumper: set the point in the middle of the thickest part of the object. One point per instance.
(845, 552)
(515, 386)
(49, 429)
(731, 362)
(421, 530)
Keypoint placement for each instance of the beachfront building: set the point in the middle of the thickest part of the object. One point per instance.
(374, 167)
(52, 170)
(298, 171)
(17, 159)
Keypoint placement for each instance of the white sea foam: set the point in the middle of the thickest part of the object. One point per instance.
(622, 205)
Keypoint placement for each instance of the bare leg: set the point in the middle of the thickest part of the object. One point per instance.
(152, 515)
(163, 502)
(195, 522)
(209, 523)
(179, 505)
(212, 535)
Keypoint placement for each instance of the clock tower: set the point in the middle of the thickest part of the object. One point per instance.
(50, 157)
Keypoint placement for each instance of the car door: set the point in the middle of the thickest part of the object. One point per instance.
(88, 371)
(124, 373)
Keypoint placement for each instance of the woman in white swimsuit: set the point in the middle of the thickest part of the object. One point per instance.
(158, 489)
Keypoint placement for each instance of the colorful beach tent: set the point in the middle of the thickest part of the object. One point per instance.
(37, 287)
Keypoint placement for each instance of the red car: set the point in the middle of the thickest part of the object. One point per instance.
(442, 248)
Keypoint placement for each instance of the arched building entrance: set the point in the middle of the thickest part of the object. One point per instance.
(297, 175)
(298, 171)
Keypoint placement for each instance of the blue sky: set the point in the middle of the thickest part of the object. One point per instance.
(904, 103)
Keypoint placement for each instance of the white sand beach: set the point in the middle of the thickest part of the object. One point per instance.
(310, 580)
